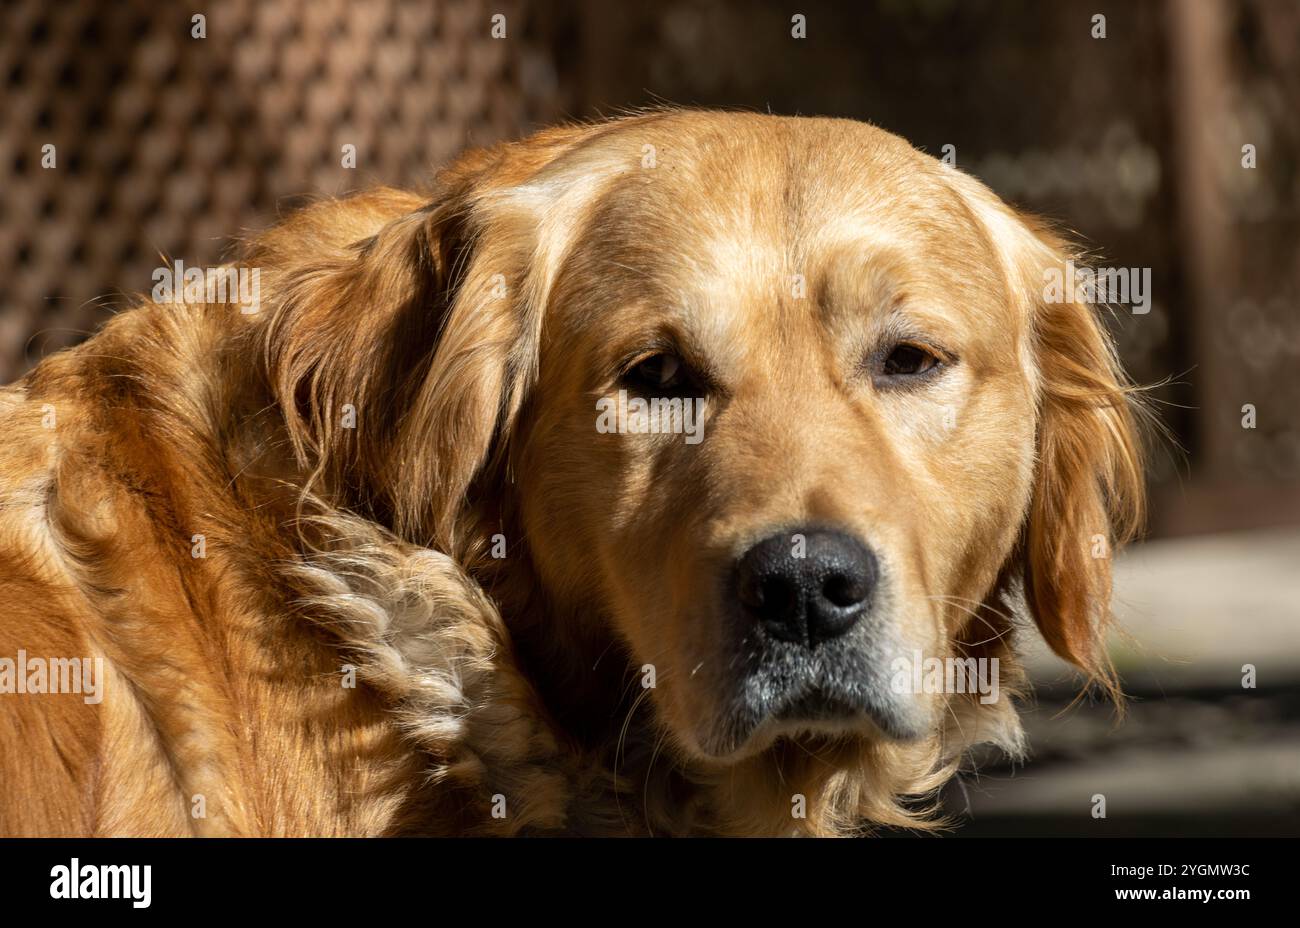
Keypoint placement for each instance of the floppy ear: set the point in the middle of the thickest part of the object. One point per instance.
(1089, 494)
(404, 331)
(1088, 497)
(397, 355)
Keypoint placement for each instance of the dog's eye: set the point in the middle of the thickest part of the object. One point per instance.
(908, 361)
(659, 375)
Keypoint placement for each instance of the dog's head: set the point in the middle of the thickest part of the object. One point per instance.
(777, 405)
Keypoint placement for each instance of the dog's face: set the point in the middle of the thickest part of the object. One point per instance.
(867, 417)
(863, 429)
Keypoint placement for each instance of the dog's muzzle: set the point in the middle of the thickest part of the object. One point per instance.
(812, 652)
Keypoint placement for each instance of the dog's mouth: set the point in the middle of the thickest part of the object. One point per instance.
(817, 706)
(844, 696)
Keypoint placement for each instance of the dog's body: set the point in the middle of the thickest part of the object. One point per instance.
(391, 472)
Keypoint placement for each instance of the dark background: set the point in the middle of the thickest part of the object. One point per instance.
(171, 145)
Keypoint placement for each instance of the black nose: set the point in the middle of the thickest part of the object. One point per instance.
(806, 586)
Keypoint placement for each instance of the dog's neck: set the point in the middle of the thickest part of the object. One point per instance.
(581, 671)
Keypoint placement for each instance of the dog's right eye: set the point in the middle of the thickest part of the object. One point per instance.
(660, 375)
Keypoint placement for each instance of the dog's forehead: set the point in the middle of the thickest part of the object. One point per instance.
(779, 191)
(737, 211)
(735, 172)
(759, 177)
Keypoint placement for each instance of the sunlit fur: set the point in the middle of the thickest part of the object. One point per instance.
(471, 329)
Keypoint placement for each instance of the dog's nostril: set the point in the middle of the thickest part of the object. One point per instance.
(844, 591)
(777, 596)
(768, 595)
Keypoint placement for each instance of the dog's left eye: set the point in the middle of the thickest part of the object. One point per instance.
(907, 360)
(659, 375)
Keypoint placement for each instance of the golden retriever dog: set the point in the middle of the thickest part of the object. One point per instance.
(601, 489)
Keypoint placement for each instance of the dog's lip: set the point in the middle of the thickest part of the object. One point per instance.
(816, 710)
(816, 705)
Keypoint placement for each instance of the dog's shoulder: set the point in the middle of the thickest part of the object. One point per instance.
(133, 544)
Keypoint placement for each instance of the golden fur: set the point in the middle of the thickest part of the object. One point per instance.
(470, 330)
